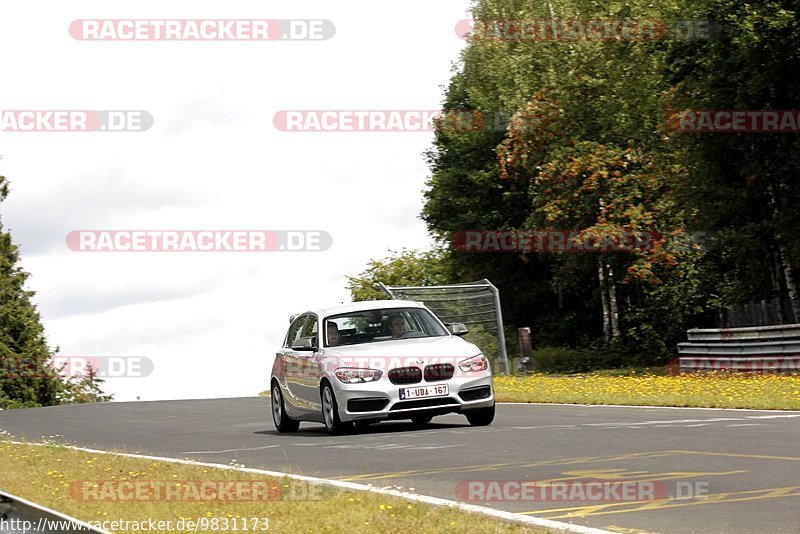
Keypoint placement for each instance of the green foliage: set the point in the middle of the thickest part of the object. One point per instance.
(22, 340)
(84, 389)
(570, 360)
(27, 376)
(486, 341)
(400, 268)
(587, 149)
(744, 186)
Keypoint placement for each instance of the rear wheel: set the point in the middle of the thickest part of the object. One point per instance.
(330, 412)
(481, 416)
(279, 417)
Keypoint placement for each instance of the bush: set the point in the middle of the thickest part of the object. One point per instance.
(486, 341)
(568, 360)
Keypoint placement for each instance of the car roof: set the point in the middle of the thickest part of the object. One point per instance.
(365, 305)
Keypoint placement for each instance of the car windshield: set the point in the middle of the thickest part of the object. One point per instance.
(369, 326)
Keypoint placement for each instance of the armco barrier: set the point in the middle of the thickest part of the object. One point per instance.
(18, 515)
(756, 349)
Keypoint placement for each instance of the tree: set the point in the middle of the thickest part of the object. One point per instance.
(586, 150)
(85, 388)
(745, 185)
(605, 194)
(27, 375)
(403, 268)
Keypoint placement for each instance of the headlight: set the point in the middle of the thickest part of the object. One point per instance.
(474, 364)
(350, 375)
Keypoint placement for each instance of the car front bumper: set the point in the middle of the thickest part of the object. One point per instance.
(375, 401)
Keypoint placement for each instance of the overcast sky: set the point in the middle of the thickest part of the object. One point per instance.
(211, 322)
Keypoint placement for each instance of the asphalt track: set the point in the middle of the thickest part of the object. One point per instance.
(725, 471)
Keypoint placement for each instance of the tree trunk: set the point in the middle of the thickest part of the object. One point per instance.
(775, 276)
(604, 298)
(791, 287)
(612, 303)
(552, 12)
(783, 257)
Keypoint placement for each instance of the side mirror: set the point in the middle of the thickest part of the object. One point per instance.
(305, 343)
(458, 329)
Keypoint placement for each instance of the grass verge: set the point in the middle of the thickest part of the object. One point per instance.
(702, 390)
(71, 482)
(652, 387)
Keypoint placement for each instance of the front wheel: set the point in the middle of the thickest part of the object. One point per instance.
(279, 417)
(481, 416)
(330, 412)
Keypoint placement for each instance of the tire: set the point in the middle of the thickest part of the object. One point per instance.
(421, 420)
(330, 413)
(481, 416)
(279, 417)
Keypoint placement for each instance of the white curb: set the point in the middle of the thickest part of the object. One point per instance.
(435, 501)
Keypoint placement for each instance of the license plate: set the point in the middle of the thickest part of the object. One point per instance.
(426, 391)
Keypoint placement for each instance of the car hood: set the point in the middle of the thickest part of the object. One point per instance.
(445, 347)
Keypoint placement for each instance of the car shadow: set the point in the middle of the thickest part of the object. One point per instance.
(311, 430)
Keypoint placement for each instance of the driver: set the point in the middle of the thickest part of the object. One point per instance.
(333, 334)
(397, 326)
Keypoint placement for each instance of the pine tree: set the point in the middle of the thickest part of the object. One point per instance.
(85, 388)
(27, 377)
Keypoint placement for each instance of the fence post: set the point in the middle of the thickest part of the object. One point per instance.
(526, 362)
(501, 335)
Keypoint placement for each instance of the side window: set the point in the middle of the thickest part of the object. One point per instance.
(311, 327)
(295, 329)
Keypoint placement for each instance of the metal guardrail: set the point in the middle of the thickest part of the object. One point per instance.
(773, 348)
(766, 348)
(783, 331)
(18, 516)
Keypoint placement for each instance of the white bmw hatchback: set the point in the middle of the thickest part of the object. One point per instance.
(370, 361)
